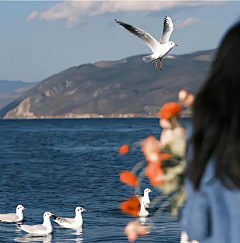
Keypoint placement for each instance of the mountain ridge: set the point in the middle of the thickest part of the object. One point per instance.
(112, 88)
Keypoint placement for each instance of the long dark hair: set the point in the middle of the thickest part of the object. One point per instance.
(216, 117)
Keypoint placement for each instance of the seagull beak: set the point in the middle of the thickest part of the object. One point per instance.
(84, 210)
(24, 208)
(176, 45)
(52, 214)
(151, 191)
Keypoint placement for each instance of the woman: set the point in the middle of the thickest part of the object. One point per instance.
(212, 210)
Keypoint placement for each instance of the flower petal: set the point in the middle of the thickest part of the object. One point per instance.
(135, 229)
(131, 206)
(128, 178)
(124, 150)
(169, 110)
(155, 173)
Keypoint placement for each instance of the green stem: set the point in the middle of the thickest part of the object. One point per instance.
(137, 167)
(174, 122)
(141, 176)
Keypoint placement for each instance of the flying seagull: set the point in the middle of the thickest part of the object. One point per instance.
(159, 49)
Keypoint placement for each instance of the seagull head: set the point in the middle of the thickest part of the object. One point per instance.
(147, 190)
(80, 210)
(47, 215)
(20, 208)
(172, 44)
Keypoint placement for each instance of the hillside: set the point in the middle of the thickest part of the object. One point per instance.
(112, 88)
(10, 90)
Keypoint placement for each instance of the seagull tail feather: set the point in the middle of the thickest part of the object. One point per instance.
(148, 59)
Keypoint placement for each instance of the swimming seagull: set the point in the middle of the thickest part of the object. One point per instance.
(143, 212)
(159, 49)
(13, 217)
(71, 222)
(146, 198)
(40, 229)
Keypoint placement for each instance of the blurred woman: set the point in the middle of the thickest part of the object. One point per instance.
(212, 210)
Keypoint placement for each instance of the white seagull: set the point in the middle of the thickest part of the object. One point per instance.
(71, 222)
(143, 212)
(159, 49)
(13, 217)
(146, 198)
(39, 229)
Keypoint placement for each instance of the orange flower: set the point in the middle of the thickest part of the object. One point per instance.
(182, 95)
(124, 150)
(135, 229)
(128, 178)
(153, 158)
(131, 207)
(150, 145)
(164, 123)
(189, 100)
(154, 173)
(169, 110)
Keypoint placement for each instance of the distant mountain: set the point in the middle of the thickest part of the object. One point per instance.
(112, 88)
(10, 90)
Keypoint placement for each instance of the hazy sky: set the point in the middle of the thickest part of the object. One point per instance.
(41, 38)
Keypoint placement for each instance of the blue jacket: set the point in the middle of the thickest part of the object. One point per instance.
(211, 214)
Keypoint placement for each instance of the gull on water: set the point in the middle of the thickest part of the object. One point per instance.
(143, 212)
(71, 222)
(13, 217)
(40, 229)
(159, 49)
(146, 198)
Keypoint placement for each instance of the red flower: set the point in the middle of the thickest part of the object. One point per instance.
(189, 100)
(169, 110)
(154, 173)
(182, 95)
(128, 178)
(150, 145)
(135, 229)
(131, 207)
(124, 150)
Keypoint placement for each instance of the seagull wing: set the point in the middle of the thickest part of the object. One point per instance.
(61, 220)
(11, 217)
(151, 42)
(167, 30)
(34, 229)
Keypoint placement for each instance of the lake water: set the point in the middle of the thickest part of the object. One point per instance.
(56, 165)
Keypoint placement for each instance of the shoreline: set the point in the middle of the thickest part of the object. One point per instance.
(85, 118)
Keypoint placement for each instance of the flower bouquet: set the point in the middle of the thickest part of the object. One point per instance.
(164, 166)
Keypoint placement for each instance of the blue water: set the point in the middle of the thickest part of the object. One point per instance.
(56, 165)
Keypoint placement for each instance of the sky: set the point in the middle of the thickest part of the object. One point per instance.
(42, 38)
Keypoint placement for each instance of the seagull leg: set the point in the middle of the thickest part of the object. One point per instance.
(160, 65)
(156, 65)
